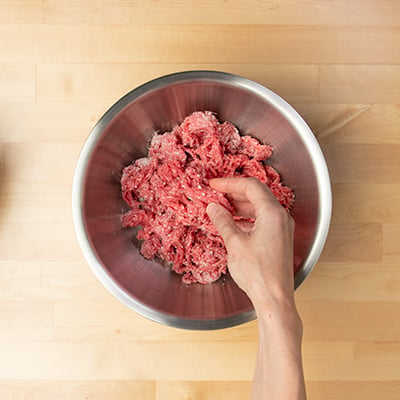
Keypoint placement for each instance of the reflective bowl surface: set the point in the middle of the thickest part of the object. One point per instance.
(123, 134)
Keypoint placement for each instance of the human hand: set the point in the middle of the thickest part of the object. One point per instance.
(260, 255)
(260, 260)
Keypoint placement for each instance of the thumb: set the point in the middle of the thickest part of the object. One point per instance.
(223, 221)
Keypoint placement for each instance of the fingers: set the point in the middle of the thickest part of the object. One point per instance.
(223, 221)
(232, 186)
(243, 209)
(247, 189)
(245, 226)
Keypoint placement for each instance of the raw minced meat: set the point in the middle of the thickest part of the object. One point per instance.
(168, 192)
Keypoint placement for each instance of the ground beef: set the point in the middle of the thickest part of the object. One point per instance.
(168, 192)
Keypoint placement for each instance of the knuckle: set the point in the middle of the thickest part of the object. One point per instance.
(280, 216)
(220, 219)
(253, 183)
(234, 247)
(227, 229)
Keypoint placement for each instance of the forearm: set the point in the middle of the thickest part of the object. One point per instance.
(278, 372)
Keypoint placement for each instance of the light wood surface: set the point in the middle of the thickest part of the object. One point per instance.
(64, 62)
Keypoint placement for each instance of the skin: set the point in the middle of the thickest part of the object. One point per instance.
(260, 260)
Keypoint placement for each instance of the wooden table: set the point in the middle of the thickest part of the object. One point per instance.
(64, 62)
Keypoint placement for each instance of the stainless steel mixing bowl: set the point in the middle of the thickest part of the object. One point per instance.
(123, 134)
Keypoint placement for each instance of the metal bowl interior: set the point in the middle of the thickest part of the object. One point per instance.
(123, 134)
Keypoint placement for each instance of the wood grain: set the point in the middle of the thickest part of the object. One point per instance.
(51, 198)
(55, 122)
(355, 281)
(225, 390)
(351, 361)
(129, 360)
(49, 281)
(175, 44)
(349, 242)
(76, 389)
(363, 163)
(91, 320)
(78, 83)
(371, 390)
(40, 162)
(22, 320)
(22, 12)
(359, 84)
(183, 390)
(353, 123)
(95, 321)
(138, 360)
(40, 242)
(375, 202)
(240, 390)
(306, 12)
(64, 63)
(350, 320)
(17, 83)
(391, 242)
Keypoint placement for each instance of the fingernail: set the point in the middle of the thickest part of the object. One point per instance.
(211, 210)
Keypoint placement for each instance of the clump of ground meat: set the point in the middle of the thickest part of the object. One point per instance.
(168, 192)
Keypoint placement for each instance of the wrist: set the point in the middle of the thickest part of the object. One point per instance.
(279, 316)
(276, 300)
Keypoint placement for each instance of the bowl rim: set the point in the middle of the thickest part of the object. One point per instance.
(293, 117)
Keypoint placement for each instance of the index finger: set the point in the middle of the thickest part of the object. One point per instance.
(247, 189)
